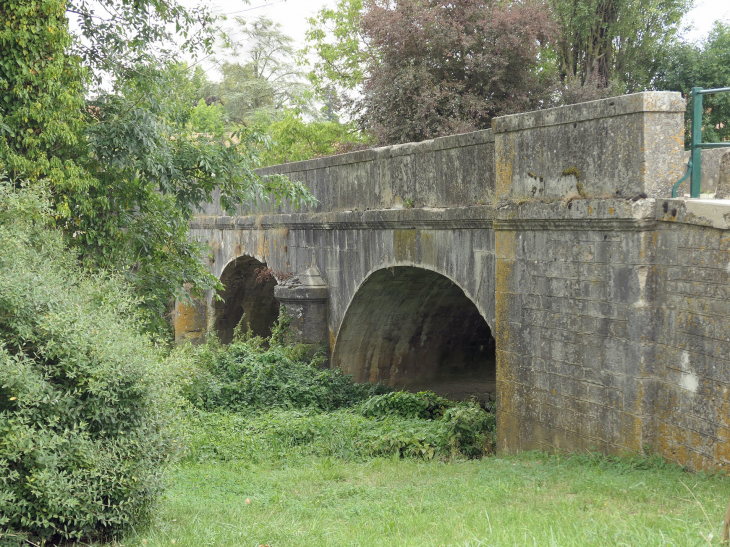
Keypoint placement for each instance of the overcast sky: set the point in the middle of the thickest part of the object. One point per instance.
(292, 14)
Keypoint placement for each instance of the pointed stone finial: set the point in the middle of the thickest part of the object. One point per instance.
(312, 278)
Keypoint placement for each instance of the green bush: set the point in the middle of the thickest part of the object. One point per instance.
(83, 410)
(252, 374)
(424, 405)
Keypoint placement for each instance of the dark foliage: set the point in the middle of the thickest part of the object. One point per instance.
(438, 68)
(253, 374)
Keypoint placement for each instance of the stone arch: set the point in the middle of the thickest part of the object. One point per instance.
(416, 329)
(244, 297)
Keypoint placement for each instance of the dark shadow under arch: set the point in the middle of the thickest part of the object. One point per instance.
(416, 329)
(244, 297)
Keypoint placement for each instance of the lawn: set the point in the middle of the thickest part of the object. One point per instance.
(530, 499)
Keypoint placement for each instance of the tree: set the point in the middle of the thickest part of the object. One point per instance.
(126, 169)
(438, 68)
(623, 40)
(705, 65)
(335, 36)
(294, 139)
(115, 37)
(41, 107)
(268, 79)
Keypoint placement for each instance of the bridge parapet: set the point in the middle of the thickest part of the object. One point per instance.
(444, 172)
(617, 147)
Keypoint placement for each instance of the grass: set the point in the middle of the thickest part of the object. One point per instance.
(273, 471)
(528, 499)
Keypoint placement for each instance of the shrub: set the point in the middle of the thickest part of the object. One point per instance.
(343, 433)
(253, 374)
(424, 405)
(259, 398)
(83, 412)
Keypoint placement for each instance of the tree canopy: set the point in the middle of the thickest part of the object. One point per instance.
(621, 40)
(705, 65)
(457, 64)
(265, 79)
(437, 68)
(126, 166)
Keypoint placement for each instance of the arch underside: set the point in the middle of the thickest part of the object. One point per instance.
(244, 297)
(415, 329)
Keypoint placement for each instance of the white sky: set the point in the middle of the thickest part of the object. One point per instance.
(704, 14)
(292, 14)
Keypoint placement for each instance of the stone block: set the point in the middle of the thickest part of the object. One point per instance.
(553, 152)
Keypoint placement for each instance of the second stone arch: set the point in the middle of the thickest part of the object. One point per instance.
(416, 329)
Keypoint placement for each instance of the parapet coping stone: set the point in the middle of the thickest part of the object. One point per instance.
(713, 213)
(576, 214)
(647, 101)
(559, 214)
(442, 143)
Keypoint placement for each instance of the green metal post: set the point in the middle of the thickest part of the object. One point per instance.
(696, 150)
(694, 165)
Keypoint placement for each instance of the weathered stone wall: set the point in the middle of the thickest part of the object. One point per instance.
(617, 147)
(348, 247)
(446, 172)
(613, 330)
(572, 320)
(688, 401)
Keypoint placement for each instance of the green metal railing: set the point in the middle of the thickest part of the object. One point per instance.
(694, 165)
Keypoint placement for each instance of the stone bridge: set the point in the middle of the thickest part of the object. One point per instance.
(540, 262)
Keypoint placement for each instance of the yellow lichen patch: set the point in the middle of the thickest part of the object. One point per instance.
(404, 244)
(504, 155)
(190, 321)
(429, 249)
(333, 340)
(504, 244)
(722, 447)
(610, 210)
(572, 171)
(262, 248)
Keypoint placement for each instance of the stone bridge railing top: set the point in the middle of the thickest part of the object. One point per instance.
(617, 147)
(443, 172)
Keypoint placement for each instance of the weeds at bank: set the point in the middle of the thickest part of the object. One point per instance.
(269, 400)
